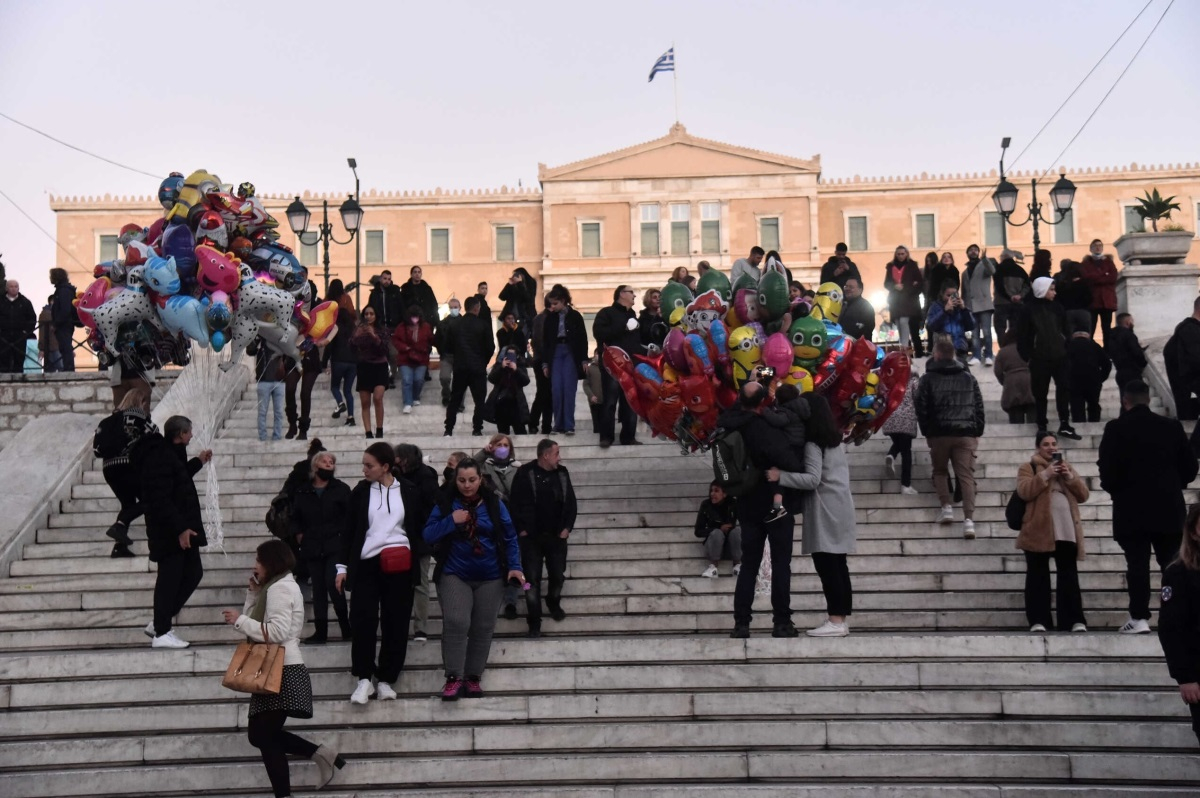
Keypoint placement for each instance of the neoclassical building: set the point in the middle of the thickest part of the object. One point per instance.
(633, 215)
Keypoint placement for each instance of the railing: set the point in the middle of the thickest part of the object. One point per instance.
(31, 362)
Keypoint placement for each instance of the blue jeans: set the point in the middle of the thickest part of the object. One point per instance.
(341, 382)
(982, 334)
(270, 392)
(412, 380)
(564, 382)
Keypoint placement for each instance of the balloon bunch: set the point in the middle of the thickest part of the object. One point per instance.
(210, 271)
(728, 334)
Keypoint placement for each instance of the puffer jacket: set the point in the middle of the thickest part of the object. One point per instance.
(949, 402)
(1037, 528)
(320, 518)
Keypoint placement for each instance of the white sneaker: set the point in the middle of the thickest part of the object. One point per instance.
(889, 462)
(149, 631)
(364, 691)
(829, 629)
(385, 692)
(169, 640)
(946, 516)
(974, 361)
(710, 572)
(968, 529)
(908, 490)
(1037, 628)
(407, 409)
(737, 568)
(1078, 628)
(416, 403)
(1132, 627)
(987, 361)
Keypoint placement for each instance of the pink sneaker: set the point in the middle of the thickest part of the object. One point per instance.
(452, 688)
(473, 688)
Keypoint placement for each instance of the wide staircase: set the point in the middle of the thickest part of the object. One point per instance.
(939, 690)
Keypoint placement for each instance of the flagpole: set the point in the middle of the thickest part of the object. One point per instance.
(675, 81)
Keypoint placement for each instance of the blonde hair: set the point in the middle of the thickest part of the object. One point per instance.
(137, 397)
(500, 436)
(312, 461)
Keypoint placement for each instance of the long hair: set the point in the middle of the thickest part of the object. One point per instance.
(1189, 547)
(822, 428)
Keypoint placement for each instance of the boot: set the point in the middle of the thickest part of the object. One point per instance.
(291, 433)
(341, 408)
(303, 436)
(350, 420)
(379, 433)
(321, 636)
(326, 760)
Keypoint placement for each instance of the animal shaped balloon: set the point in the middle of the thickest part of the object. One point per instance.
(704, 310)
(675, 299)
(162, 276)
(184, 314)
(126, 306)
(92, 298)
(713, 280)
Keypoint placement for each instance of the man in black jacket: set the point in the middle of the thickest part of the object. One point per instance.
(543, 511)
(1128, 355)
(1010, 288)
(1145, 464)
(441, 340)
(17, 322)
(472, 344)
(410, 465)
(174, 525)
(839, 268)
(418, 292)
(617, 325)
(1042, 335)
(1182, 356)
(858, 317)
(389, 306)
(950, 413)
(62, 315)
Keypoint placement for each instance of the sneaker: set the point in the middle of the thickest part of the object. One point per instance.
(829, 629)
(908, 490)
(1078, 628)
(1135, 627)
(120, 533)
(149, 631)
(785, 629)
(570, 433)
(407, 409)
(510, 611)
(534, 632)
(974, 361)
(740, 630)
(889, 463)
(170, 640)
(1037, 629)
(946, 516)
(419, 636)
(710, 572)
(384, 692)
(361, 693)
(1066, 431)
(349, 422)
(452, 688)
(777, 513)
(737, 568)
(341, 408)
(968, 529)
(472, 688)
(987, 361)
(119, 552)
(416, 403)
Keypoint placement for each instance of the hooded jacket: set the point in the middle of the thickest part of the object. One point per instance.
(421, 295)
(1042, 331)
(389, 307)
(413, 350)
(1012, 372)
(1087, 364)
(949, 402)
(358, 520)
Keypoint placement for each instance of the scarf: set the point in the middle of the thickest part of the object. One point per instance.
(260, 603)
(471, 505)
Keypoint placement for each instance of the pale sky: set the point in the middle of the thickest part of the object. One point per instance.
(474, 94)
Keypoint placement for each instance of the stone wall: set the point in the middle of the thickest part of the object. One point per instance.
(26, 396)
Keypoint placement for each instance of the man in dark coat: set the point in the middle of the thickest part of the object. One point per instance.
(418, 292)
(1042, 342)
(617, 325)
(1127, 353)
(1010, 290)
(17, 323)
(839, 268)
(174, 525)
(388, 303)
(441, 339)
(410, 465)
(485, 311)
(472, 345)
(858, 317)
(1182, 359)
(1145, 464)
(62, 315)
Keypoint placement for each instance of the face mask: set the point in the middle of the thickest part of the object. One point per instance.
(325, 474)
(448, 473)
(501, 452)
(415, 320)
(455, 311)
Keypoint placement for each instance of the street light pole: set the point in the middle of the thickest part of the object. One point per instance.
(298, 218)
(353, 163)
(1061, 196)
(1004, 142)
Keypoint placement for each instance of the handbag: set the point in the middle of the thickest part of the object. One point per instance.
(395, 560)
(256, 667)
(1014, 511)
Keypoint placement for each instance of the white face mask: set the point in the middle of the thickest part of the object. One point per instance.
(455, 311)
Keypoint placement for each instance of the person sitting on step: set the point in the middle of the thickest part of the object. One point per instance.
(717, 526)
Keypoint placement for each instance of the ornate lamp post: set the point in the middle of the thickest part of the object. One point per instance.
(1061, 196)
(299, 216)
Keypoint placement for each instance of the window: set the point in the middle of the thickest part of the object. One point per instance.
(108, 249)
(993, 229)
(650, 246)
(1064, 229)
(589, 239)
(439, 245)
(308, 252)
(1133, 222)
(373, 246)
(506, 243)
(679, 229)
(926, 230)
(710, 228)
(856, 227)
(768, 233)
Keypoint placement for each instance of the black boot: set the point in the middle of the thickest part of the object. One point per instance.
(120, 533)
(291, 433)
(321, 636)
(303, 436)
(379, 433)
(350, 420)
(341, 408)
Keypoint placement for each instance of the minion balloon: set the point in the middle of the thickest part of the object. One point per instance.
(745, 350)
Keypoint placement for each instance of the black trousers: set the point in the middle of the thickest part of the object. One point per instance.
(12, 355)
(614, 407)
(1022, 414)
(1085, 402)
(1041, 372)
(542, 408)
(1105, 317)
(755, 534)
(265, 732)
(835, 582)
(915, 325)
(902, 446)
(1037, 587)
(179, 574)
(312, 368)
(126, 486)
(1137, 567)
(552, 552)
(323, 573)
(66, 346)
(380, 608)
(464, 380)
(1006, 317)
(508, 417)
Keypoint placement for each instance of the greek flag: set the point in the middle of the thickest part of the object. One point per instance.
(665, 63)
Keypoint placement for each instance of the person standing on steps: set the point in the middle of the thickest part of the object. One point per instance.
(274, 612)
(1042, 342)
(544, 512)
(371, 350)
(410, 465)
(420, 293)
(1051, 529)
(616, 325)
(1127, 353)
(506, 406)
(338, 356)
(320, 506)
(977, 292)
(519, 295)
(376, 567)
(839, 268)
(901, 427)
(1012, 372)
(717, 526)
(473, 346)
(1181, 357)
(904, 284)
(115, 439)
(1012, 288)
(174, 524)
(476, 549)
(498, 465)
(1145, 465)
(413, 342)
(445, 356)
(302, 374)
(541, 412)
(1179, 617)
(1100, 273)
(270, 369)
(17, 322)
(62, 316)
(564, 356)
(485, 311)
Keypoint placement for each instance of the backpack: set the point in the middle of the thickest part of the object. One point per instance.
(732, 468)
(109, 441)
(279, 515)
(1014, 511)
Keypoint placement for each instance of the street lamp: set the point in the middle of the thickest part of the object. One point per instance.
(351, 212)
(1005, 199)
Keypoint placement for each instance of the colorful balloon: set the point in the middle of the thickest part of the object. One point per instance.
(745, 352)
(184, 314)
(713, 280)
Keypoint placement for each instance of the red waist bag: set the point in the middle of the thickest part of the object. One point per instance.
(395, 560)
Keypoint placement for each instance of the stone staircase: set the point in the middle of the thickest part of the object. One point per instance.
(938, 691)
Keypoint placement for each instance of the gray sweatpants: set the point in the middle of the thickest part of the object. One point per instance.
(714, 544)
(468, 621)
(421, 595)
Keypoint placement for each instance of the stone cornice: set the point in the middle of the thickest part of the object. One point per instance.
(369, 198)
(1132, 171)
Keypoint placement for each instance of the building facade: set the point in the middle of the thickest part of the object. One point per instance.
(633, 215)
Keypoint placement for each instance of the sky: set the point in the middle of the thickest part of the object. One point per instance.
(474, 94)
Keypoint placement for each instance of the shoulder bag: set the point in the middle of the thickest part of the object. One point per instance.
(256, 667)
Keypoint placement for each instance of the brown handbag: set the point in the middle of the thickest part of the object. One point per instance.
(256, 667)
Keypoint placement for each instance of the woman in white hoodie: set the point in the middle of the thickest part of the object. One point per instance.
(274, 612)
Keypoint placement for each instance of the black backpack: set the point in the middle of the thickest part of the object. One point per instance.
(279, 515)
(1014, 511)
(110, 441)
(732, 468)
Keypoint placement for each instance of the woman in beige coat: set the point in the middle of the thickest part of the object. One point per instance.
(1051, 529)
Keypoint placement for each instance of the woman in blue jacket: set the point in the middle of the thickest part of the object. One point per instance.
(475, 545)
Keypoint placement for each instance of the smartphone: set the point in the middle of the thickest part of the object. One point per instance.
(1056, 458)
(254, 579)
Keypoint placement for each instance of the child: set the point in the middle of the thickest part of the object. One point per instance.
(1179, 617)
(717, 526)
(593, 387)
(901, 427)
(952, 318)
(1088, 367)
(788, 416)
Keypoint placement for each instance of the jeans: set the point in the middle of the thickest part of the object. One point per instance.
(905, 330)
(1037, 587)
(179, 574)
(384, 601)
(564, 382)
(534, 552)
(265, 732)
(981, 336)
(960, 451)
(412, 380)
(719, 543)
(341, 383)
(616, 404)
(902, 445)
(755, 534)
(1137, 567)
(1041, 372)
(468, 621)
(270, 393)
(477, 383)
(835, 583)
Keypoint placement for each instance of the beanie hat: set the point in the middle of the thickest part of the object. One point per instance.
(1041, 285)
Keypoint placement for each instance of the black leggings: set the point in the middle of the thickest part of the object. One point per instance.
(305, 380)
(835, 582)
(902, 445)
(126, 484)
(265, 732)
